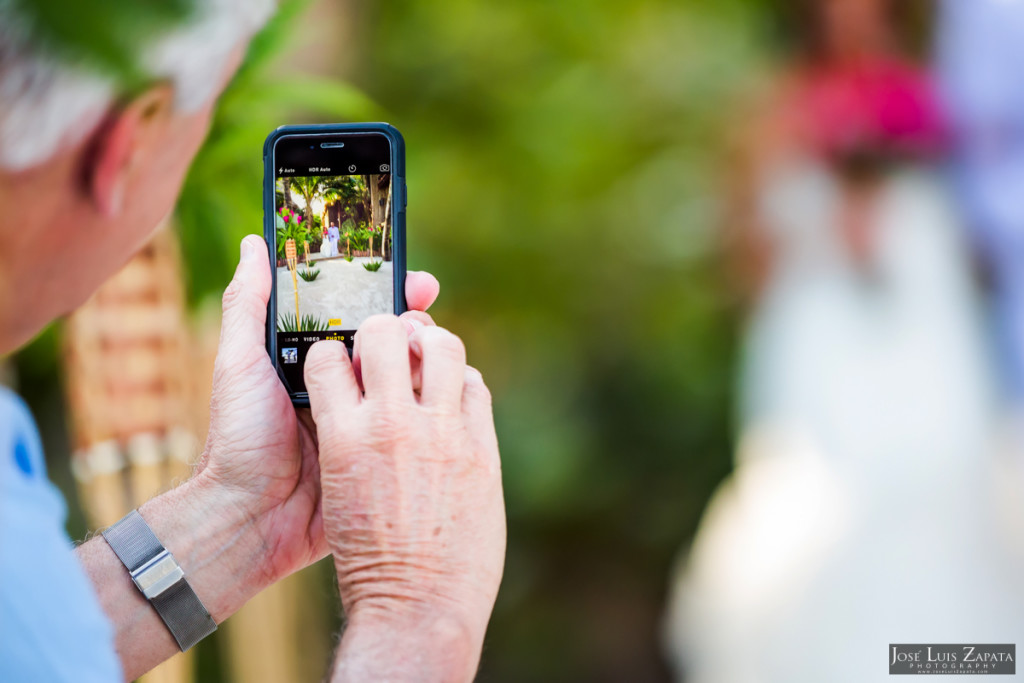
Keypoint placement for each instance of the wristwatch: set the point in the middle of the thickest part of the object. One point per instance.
(158, 575)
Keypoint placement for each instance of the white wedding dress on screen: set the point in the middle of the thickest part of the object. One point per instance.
(859, 512)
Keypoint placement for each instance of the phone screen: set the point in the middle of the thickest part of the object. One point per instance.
(334, 219)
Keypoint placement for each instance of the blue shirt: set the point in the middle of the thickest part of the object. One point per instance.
(51, 624)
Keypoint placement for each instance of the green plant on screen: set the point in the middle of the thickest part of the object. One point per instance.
(309, 323)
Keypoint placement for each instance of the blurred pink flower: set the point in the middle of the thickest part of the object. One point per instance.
(885, 106)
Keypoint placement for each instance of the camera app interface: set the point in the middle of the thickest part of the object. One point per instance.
(333, 203)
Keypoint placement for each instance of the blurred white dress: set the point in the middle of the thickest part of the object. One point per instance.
(859, 513)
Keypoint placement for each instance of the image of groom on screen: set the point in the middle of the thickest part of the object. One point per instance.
(333, 235)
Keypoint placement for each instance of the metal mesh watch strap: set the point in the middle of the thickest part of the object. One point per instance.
(158, 575)
(133, 541)
(184, 614)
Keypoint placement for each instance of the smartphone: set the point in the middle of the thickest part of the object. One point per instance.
(334, 199)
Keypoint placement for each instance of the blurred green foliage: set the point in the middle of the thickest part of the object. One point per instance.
(221, 200)
(103, 34)
(564, 174)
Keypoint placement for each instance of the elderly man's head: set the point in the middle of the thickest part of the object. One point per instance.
(88, 171)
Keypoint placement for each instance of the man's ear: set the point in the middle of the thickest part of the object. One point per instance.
(123, 143)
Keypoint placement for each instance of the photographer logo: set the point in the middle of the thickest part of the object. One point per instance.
(959, 659)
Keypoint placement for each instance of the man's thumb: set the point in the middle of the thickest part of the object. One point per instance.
(245, 299)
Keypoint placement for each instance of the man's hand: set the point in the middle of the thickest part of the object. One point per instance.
(412, 500)
(252, 513)
(260, 456)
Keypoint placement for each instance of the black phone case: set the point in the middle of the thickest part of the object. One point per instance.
(269, 210)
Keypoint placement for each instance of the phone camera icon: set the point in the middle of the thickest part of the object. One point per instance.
(385, 168)
(352, 168)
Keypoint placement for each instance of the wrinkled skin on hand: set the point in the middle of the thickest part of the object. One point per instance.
(412, 499)
(261, 454)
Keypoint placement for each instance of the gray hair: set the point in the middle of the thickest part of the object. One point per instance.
(46, 103)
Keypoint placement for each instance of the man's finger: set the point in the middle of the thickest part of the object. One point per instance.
(477, 411)
(443, 361)
(413, 321)
(381, 352)
(416, 317)
(245, 299)
(330, 381)
(476, 397)
(421, 290)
